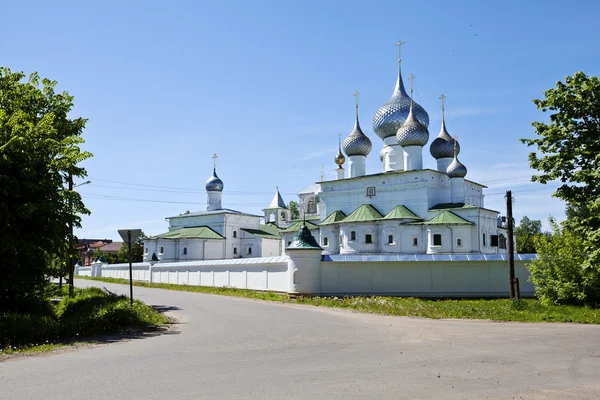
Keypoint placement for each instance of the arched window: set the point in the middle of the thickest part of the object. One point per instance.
(325, 242)
(249, 250)
(415, 241)
(146, 252)
(234, 234)
(484, 242)
(162, 250)
(352, 235)
(235, 250)
(390, 239)
(283, 216)
(312, 206)
(185, 250)
(459, 242)
(368, 238)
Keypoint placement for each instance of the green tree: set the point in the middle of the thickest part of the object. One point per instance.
(526, 232)
(39, 152)
(110, 259)
(293, 206)
(137, 250)
(561, 274)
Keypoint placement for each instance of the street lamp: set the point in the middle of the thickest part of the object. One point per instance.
(70, 258)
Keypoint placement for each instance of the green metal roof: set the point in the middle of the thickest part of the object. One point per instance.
(296, 226)
(304, 241)
(401, 212)
(334, 218)
(197, 232)
(446, 218)
(264, 232)
(364, 213)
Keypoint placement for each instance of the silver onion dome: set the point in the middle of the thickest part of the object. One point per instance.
(456, 169)
(443, 145)
(393, 113)
(214, 184)
(412, 132)
(357, 143)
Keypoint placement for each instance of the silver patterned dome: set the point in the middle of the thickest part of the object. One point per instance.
(357, 143)
(393, 113)
(214, 184)
(443, 145)
(456, 169)
(412, 132)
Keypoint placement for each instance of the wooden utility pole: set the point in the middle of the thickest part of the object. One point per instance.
(511, 245)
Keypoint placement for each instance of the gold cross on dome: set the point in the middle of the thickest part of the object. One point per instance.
(214, 157)
(399, 44)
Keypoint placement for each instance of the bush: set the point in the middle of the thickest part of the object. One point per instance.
(563, 274)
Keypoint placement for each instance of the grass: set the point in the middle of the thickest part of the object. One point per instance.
(90, 312)
(526, 310)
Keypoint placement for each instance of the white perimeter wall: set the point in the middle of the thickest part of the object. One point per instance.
(476, 278)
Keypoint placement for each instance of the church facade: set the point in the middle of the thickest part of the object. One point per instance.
(402, 209)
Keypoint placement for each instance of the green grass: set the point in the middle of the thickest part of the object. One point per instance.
(90, 312)
(526, 310)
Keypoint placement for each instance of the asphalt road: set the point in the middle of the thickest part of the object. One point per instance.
(230, 348)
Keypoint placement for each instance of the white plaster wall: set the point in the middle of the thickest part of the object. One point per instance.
(270, 247)
(359, 245)
(332, 233)
(407, 235)
(473, 278)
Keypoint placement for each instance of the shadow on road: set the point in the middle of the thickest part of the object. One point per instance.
(161, 308)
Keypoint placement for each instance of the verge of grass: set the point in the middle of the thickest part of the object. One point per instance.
(525, 310)
(90, 312)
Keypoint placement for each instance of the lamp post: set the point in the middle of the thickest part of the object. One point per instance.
(70, 257)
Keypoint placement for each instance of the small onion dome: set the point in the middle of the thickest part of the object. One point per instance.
(339, 158)
(443, 145)
(214, 184)
(357, 143)
(412, 132)
(456, 169)
(394, 112)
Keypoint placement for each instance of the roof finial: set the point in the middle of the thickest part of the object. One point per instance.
(214, 157)
(411, 78)
(322, 169)
(455, 137)
(442, 97)
(356, 94)
(399, 44)
(339, 141)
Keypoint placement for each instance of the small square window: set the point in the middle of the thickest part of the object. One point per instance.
(352, 235)
(325, 242)
(415, 241)
(162, 250)
(368, 238)
(437, 239)
(390, 239)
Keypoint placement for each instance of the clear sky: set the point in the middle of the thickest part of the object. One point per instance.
(267, 85)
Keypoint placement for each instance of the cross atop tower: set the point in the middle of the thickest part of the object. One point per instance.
(322, 168)
(399, 44)
(214, 157)
(442, 97)
(340, 141)
(356, 94)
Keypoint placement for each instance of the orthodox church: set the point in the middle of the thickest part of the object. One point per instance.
(403, 209)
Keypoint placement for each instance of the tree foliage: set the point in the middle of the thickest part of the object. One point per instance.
(137, 250)
(568, 150)
(527, 230)
(39, 150)
(561, 274)
(293, 206)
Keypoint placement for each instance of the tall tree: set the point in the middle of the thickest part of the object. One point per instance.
(293, 206)
(137, 250)
(39, 153)
(527, 230)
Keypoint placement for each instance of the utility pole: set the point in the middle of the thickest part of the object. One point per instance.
(70, 256)
(511, 245)
(130, 269)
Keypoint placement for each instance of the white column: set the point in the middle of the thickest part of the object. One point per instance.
(457, 188)
(443, 163)
(213, 201)
(413, 158)
(357, 166)
(340, 172)
(395, 160)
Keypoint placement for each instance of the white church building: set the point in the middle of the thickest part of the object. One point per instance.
(401, 209)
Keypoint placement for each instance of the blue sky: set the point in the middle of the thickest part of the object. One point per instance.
(268, 85)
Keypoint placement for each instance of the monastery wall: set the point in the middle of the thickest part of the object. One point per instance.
(466, 275)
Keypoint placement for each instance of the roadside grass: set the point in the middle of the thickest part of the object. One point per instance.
(90, 312)
(525, 310)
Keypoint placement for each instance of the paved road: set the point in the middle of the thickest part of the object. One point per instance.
(229, 348)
